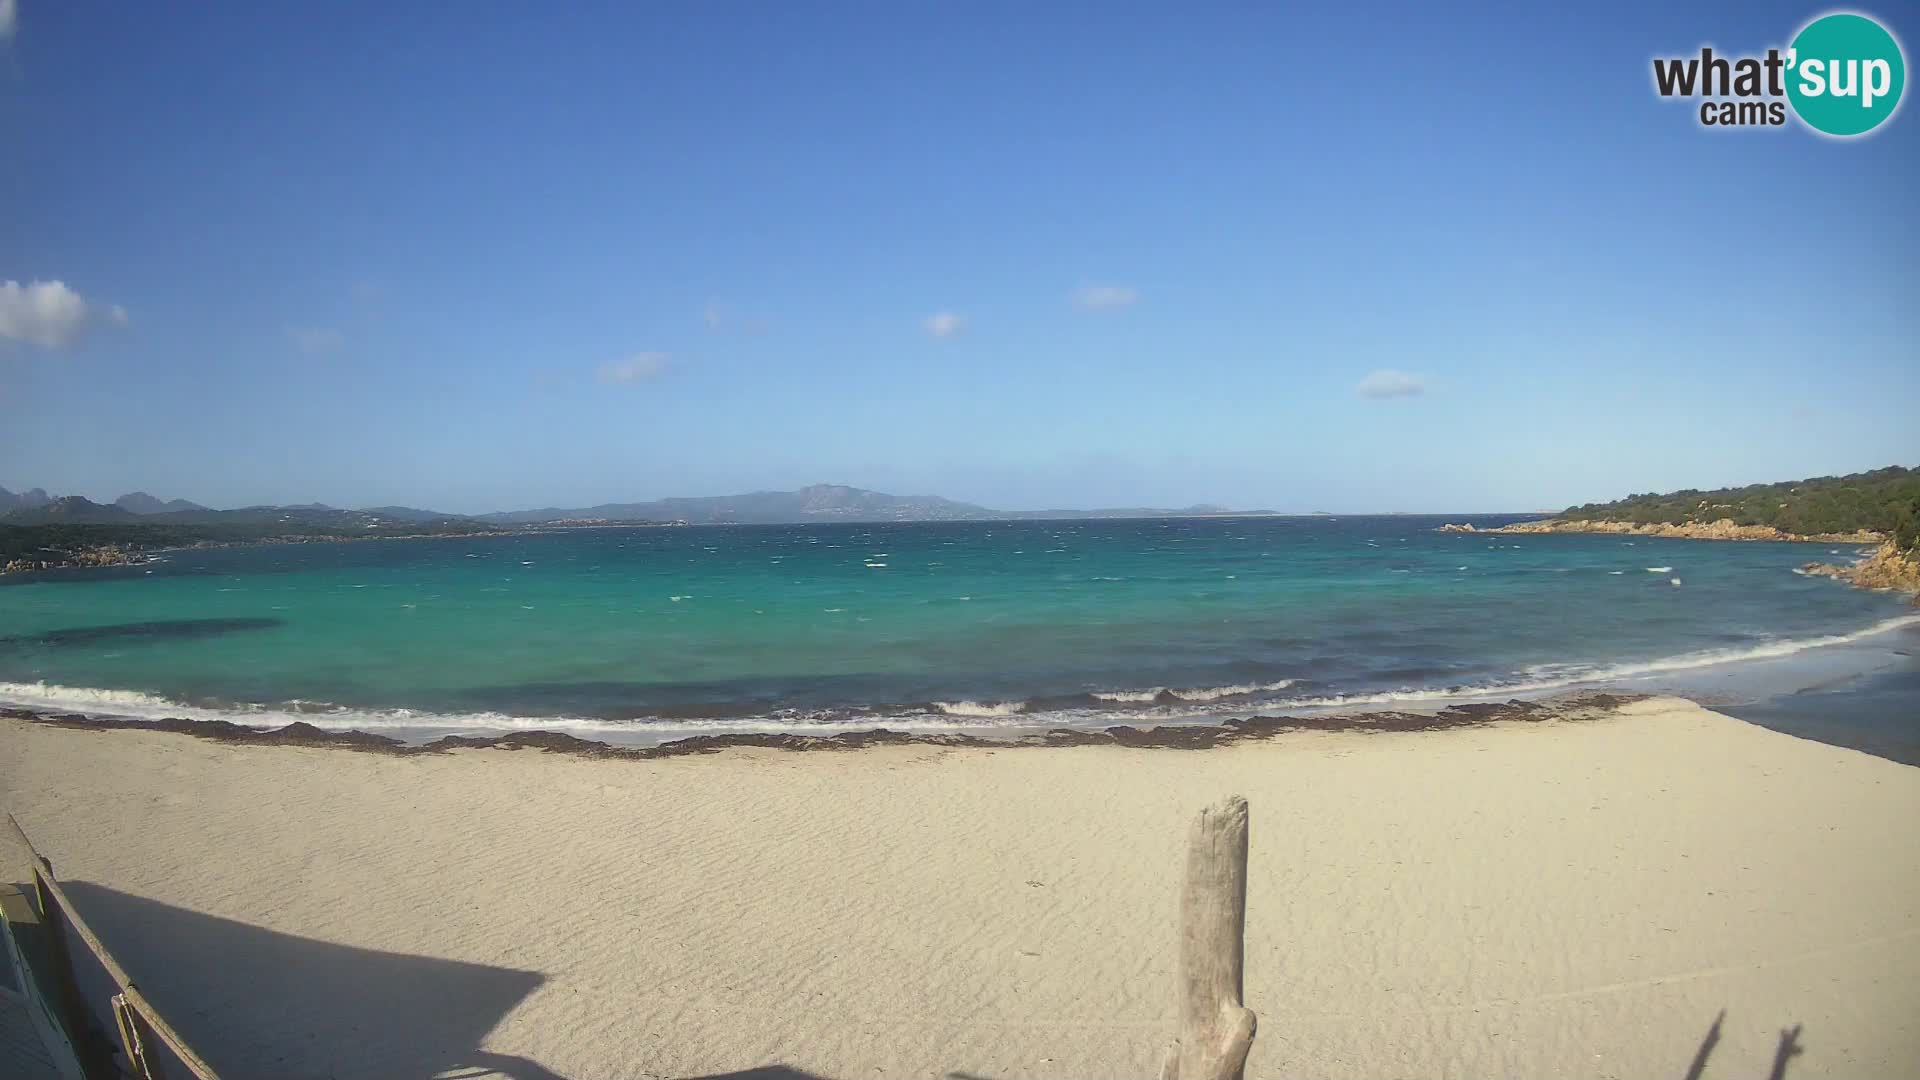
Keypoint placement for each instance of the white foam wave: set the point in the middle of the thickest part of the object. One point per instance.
(1148, 694)
(1215, 693)
(980, 708)
(1659, 569)
(1193, 704)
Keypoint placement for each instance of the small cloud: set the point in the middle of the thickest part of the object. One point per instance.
(1388, 383)
(314, 340)
(638, 368)
(945, 324)
(9, 18)
(725, 318)
(47, 313)
(1104, 297)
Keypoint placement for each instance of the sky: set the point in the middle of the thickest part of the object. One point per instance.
(495, 255)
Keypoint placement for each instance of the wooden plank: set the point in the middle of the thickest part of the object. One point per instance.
(27, 948)
(1216, 1030)
(61, 988)
(53, 897)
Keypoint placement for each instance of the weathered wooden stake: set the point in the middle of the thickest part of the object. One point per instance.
(1216, 1030)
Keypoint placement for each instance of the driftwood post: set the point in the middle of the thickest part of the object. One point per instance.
(1216, 1030)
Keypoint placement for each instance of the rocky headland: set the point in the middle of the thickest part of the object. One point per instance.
(1886, 568)
(1723, 529)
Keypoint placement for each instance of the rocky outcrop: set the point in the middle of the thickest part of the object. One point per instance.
(1723, 529)
(1886, 568)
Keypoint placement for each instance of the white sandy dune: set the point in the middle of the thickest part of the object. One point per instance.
(1524, 900)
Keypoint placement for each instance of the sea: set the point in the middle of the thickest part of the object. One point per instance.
(645, 634)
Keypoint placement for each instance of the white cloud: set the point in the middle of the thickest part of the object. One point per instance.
(714, 315)
(1104, 297)
(48, 314)
(945, 324)
(1388, 383)
(9, 18)
(640, 367)
(314, 340)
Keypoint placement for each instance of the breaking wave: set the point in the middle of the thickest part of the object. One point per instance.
(1157, 704)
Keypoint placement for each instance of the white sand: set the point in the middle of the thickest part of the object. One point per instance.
(1567, 899)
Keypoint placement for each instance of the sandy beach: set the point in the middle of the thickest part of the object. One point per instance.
(1572, 898)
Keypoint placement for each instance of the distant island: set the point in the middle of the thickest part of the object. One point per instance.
(39, 531)
(1879, 507)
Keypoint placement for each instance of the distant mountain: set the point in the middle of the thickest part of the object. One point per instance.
(30, 499)
(139, 502)
(67, 510)
(820, 502)
(408, 513)
(312, 516)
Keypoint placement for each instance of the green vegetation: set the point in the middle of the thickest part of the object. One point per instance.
(1884, 500)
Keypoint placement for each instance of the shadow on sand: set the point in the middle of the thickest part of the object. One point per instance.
(256, 1002)
(1788, 1048)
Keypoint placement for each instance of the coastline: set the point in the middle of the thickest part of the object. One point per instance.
(121, 554)
(1162, 736)
(1546, 899)
(1723, 529)
(1884, 569)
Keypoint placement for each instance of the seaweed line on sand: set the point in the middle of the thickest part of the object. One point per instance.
(1171, 737)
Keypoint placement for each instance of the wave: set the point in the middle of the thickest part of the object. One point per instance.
(1216, 693)
(1097, 709)
(1196, 694)
(980, 708)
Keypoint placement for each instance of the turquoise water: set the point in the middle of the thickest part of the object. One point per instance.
(909, 625)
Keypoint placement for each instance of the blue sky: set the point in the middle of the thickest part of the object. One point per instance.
(496, 255)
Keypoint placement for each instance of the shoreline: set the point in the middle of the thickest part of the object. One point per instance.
(1723, 529)
(120, 554)
(995, 722)
(1194, 736)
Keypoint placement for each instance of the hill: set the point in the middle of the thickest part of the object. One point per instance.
(819, 502)
(68, 510)
(1885, 501)
(140, 502)
(31, 499)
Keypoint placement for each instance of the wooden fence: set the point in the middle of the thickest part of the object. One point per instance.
(39, 927)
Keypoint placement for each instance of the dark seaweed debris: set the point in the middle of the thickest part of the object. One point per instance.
(1165, 737)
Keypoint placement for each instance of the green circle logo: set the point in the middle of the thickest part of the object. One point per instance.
(1845, 74)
